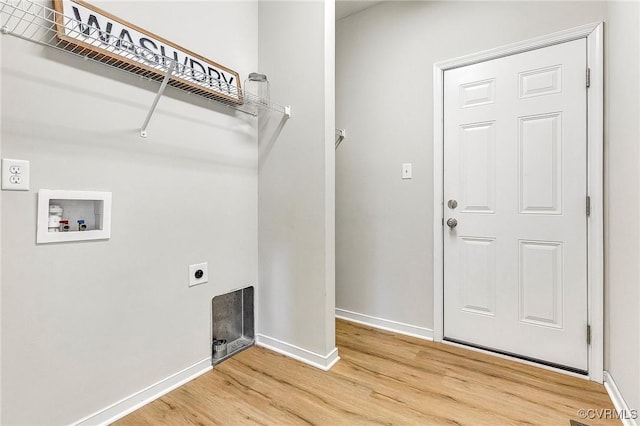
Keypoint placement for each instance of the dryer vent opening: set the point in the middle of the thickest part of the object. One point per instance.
(232, 324)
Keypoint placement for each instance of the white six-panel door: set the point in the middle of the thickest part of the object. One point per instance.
(515, 163)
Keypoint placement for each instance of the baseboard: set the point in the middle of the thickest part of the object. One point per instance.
(627, 416)
(323, 362)
(131, 403)
(385, 324)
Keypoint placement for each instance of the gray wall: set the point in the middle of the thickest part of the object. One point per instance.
(384, 97)
(1, 196)
(622, 187)
(296, 191)
(87, 324)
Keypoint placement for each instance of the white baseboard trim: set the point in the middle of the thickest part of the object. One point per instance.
(385, 324)
(323, 362)
(131, 403)
(626, 415)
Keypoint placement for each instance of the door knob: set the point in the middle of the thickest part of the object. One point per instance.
(452, 204)
(452, 223)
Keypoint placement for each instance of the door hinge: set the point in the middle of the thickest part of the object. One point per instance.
(588, 206)
(588, 77)
(588, 334)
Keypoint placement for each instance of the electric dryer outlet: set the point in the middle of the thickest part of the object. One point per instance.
(198, 274)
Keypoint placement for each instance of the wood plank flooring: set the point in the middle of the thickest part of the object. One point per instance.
(382, 378)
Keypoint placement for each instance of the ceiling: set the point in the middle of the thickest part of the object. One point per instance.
(345, 8)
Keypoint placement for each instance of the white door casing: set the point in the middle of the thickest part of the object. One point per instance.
(541, 248)
(515, 159)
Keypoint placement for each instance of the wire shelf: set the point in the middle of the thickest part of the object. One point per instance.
(32, 21)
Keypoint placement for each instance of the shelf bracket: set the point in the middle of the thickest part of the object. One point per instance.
(165, 81)
(341, 134)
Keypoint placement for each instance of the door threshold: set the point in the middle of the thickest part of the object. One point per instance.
(528, 360)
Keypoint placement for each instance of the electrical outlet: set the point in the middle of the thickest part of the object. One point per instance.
(15, 175)
(198, 274)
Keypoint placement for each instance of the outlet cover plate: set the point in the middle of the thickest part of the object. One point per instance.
(193, 274)
(15, 175)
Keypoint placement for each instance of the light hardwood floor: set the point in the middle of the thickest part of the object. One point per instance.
(382, 378)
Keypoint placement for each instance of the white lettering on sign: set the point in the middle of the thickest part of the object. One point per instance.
(84, 25)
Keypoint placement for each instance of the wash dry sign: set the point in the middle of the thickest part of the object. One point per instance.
(80, 25)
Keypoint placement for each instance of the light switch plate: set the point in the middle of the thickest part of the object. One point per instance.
(15, 175)
(406, 171)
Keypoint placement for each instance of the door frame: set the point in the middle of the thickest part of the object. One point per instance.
(593, 33)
